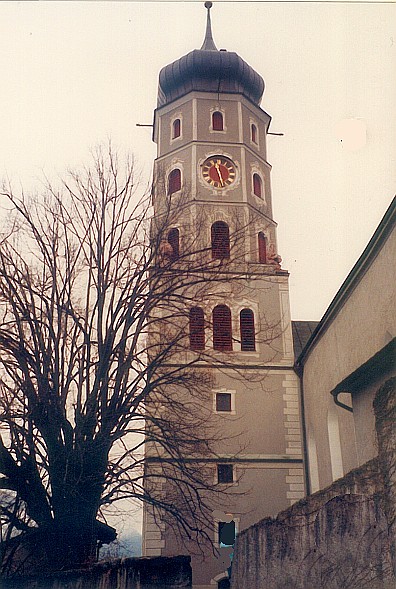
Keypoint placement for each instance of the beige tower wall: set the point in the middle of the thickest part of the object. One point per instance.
(262, 435)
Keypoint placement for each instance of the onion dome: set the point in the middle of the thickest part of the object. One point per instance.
(209, 70)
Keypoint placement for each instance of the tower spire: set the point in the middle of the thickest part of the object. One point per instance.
(208, 44)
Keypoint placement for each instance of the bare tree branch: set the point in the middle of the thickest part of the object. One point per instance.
(95, 360)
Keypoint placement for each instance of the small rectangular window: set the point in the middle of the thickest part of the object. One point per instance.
(226, 532)
(225, 473)
(223, 401)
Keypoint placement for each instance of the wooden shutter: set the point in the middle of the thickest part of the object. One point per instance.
(257, 189)
(262, 248)
(217, 121)
(176, 128)
(248, 343)
(174, 181)
(173, 240)
(222, 330)
(197, 329)
(220, 240)
(254, 133)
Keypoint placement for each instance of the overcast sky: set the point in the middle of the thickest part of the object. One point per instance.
(75, 73)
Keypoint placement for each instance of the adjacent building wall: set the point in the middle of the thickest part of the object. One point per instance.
(342, 536)
(359, 323)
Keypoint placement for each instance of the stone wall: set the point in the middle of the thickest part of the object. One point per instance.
(126, 573)
(385, 420)
(336, 538)
(340, 537)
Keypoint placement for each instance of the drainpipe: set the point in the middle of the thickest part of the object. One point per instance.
(299, 370)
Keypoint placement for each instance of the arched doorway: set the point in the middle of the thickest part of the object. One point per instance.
(224, 583)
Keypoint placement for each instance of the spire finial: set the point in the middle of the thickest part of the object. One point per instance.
(208, 44)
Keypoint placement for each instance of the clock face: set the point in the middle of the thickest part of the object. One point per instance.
(218, 171)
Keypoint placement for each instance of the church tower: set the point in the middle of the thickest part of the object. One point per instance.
(211, 136)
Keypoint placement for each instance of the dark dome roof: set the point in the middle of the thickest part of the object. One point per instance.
(209, 70)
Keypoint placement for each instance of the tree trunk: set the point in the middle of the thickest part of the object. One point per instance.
(72, 540)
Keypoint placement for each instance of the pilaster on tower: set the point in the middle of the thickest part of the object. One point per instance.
(213, 180)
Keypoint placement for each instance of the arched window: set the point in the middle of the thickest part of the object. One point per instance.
(262, 248)
(254, 133)
(220, 234)
(197, 329)
(257, 186)
(222, 330)
(217, 121)
(173, 240)
(174, 181)
(176, 128)
(248, 340)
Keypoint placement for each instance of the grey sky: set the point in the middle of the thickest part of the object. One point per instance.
(75, 73)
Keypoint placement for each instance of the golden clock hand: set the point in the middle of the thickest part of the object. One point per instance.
(219, 174)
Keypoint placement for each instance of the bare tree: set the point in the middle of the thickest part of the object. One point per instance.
(93, 328)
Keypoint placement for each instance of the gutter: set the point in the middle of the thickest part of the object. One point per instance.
(299, 370)
(383, 362)
(339, 404)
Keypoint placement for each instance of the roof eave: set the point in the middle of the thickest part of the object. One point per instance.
(381, 363)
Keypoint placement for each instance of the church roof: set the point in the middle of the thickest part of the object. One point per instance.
(209, 70)
(302, 332)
